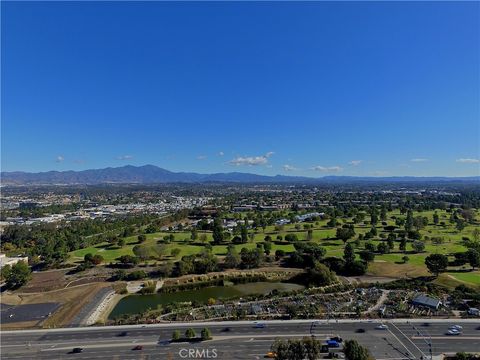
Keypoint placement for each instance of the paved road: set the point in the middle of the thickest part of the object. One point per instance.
(402, 340)
(30, 312)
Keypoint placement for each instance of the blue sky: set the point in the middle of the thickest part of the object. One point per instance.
(315, 88)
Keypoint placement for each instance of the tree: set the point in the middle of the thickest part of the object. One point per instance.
(5, 272)
(409, 221)
(309, 234)
(476, 234)
(403, 244)
(405, 259)
(190, 333)
(244, 234)
(88, 258)
(436, 218)
(312, 348)
(332, 222)
(251, 258)
(206, 334)
(354, 351)
(473, 258)
(345, 234)
(370, 247)
(232, 259)
(418, 246)
(349, 254)
(141, 238)
(291, 237)
(383, 248)
(367, 256)
(217, 231)
(97, 259)
(176, 335)
(141, 251)
(391, 244)
(175, 252)
(436, 263)
(267, 247)
(460, 225)
(18, 275)
(128, 260)
(319, 275)
(194, 234)
(121, 242)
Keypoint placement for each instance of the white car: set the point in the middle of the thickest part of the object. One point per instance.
(456, 327)
(381, 327)
(453, 332)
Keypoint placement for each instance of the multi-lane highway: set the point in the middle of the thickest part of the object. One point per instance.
(238, 340)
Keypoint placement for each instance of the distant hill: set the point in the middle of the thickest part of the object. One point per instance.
(150, 174)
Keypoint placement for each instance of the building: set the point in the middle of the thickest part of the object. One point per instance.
(4, 260)
(426, 301)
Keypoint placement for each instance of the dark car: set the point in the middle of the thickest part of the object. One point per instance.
(337, 339)
(77, 350)
(138, 347)
(360, 331)
(227, 329)
(123, 333)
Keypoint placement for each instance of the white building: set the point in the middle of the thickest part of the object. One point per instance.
(4, 260)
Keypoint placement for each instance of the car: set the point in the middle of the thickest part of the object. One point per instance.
(381, 327)
(456, 327)
(333, 344)
(138, 347)
(337, 339)
(360, 331)
(77, 350)
(270, 355)
(226, 329)
(123, 333)
(453, 332)
(259, 325)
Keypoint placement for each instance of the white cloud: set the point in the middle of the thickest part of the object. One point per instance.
(221, 153)
(201, 157)
(327, 169)
(355, 162)
(418, 160)
(125, 157)
(59, 158)
(251, 160)
(468, 161)
(287, 167)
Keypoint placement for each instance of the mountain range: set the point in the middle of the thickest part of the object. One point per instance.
(150, 174)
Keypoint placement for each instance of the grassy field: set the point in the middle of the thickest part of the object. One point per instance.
(385, 265)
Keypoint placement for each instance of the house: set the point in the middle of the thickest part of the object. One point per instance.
(426, 301)
(4, 260)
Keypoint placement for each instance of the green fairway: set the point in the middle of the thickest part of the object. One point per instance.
(390, 264)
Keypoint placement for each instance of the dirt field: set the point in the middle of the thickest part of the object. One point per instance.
(46, 281)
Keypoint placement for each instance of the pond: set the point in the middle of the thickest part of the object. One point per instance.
(134, 304)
